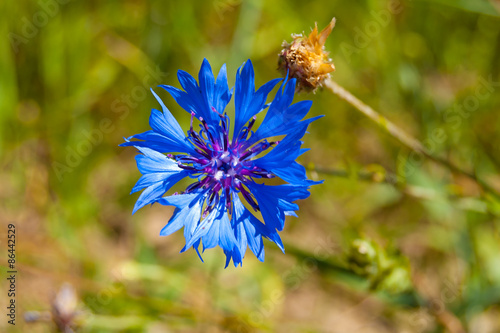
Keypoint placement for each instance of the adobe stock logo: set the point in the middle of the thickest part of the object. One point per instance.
(453, 118)
(31, 27)
(372, 29)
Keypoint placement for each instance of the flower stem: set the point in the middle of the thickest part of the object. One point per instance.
(377, 177)
(380, 177)
(401, 135)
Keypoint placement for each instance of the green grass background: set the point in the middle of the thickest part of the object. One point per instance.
(427, 254)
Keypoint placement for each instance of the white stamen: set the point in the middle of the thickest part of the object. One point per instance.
(218, 175)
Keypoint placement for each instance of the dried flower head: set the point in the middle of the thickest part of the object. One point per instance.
(65, 311)
(306, 59)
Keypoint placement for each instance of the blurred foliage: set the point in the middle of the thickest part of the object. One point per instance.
(74, 80)
(385, 270)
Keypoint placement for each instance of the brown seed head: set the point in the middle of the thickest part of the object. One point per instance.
(306, 60)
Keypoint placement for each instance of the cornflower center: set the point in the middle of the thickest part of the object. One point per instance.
(223, 165)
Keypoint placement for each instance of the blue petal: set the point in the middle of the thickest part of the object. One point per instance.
(158, 142)
(196, 246)
(222, 94)
(281, 118)
(206, 79)
(203, 227)
(200, 99)
(211, 239)
(150, 179)
(234, 255)
(153, 161)
(249, 230)
(207, 82)
(155, 191)
(165, 123)
(294, 174)
(219, 230)
(248, 102)
(191, 98)
(227, 241)
(216, 95)
(149, 195)
(239, 229)
(160, 124)
(281, 159)
(167, 135)
(175, 223)
(244, 90)
(159, 174)
(275, 201)
(183, 99)
(187, 213)
(286, 150)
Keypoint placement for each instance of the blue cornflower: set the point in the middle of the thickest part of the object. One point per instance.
(226, 170)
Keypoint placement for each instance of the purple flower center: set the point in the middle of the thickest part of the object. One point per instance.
(223, 165)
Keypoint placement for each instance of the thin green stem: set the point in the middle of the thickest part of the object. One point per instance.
(377, 177)
(380, 177)
(401, 135)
